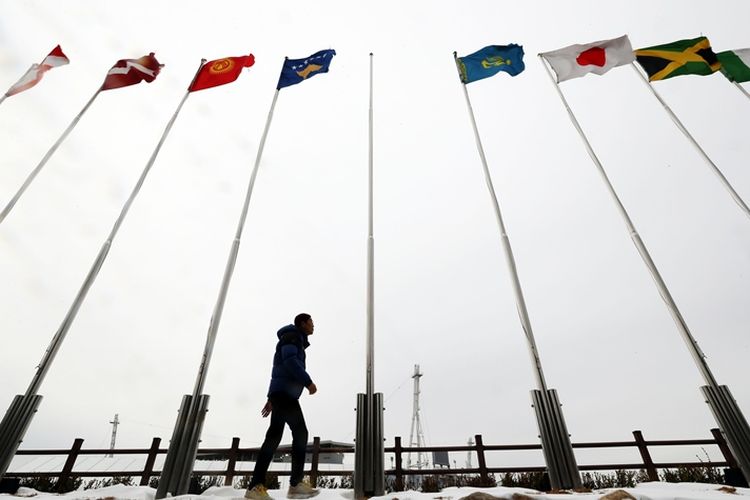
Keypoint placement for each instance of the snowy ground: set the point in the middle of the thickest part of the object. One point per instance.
(644, 491)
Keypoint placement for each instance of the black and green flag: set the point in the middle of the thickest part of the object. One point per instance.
(683, 57)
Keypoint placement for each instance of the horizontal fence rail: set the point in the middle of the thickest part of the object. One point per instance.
(398, 472)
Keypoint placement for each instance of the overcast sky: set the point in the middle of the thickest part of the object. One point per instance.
(443, 293)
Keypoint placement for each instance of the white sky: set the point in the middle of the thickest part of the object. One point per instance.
(443, 293)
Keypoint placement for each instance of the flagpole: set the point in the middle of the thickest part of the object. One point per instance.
(370, 382)
(178, 465)
(231, 261)
(523, 314)
(682, 327)
(736, 84)
(19, 415)
(369, 467)
(47, 156)
(57, 340)
(736, 197)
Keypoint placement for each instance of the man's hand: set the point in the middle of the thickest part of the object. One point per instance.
(266, 409)
(312, 388)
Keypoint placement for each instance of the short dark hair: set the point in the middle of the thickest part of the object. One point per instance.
(301, 318)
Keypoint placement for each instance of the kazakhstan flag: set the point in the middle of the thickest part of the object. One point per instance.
(489, 61)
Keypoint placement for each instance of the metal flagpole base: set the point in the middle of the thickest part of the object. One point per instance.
(13, 427)
(178, 466)
(369, 459)
(558, 451)
(732, 424)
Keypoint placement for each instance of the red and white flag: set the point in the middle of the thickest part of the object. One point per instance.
(598, 57)
(36, 71)
(131, 71)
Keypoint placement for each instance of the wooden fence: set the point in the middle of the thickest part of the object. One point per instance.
(398, 471)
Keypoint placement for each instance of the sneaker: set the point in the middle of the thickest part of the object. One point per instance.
(258, 492)
(302, 490)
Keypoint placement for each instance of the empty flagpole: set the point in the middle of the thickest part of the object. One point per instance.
(369, 475)
(523, 315)
(693, 347)
(47, 156)
(370, 254)
(62, 331)
(732, 192)
(213, 326)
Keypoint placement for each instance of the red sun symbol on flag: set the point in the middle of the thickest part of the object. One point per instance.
(595, 56)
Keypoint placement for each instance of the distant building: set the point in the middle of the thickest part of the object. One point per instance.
(441, 459)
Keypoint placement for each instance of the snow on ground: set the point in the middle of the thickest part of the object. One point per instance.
(644, 491)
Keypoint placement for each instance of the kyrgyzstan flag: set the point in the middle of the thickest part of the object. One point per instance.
(220, 72)
(36, 71)
(598, 57)
(131, 71)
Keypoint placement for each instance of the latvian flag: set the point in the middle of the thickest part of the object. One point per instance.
(131, 71)
(598, 57)
(36, 71)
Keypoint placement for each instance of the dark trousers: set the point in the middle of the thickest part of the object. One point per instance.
(286, 410)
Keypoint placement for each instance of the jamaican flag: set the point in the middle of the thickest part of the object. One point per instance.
(683, 57)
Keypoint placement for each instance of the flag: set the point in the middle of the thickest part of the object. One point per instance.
(598, 58)
(220, 72)
(683, 57)
(735, 64)
(298, 70)
(489, 61)
(36, 71)
(131, 71)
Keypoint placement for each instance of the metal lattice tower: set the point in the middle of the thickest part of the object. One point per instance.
(468, 453)
(114, 423)
(416, 440)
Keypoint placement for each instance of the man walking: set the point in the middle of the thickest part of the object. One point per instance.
(288, 379)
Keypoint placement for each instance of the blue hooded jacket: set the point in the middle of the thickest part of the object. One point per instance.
(289, 375)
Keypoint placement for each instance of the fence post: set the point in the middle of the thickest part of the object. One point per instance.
(148, 469)
(399, 471)
(314, 461)
(480, 458)
(724, 447)
(68, 467)
(233, 451)
(653, 474)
